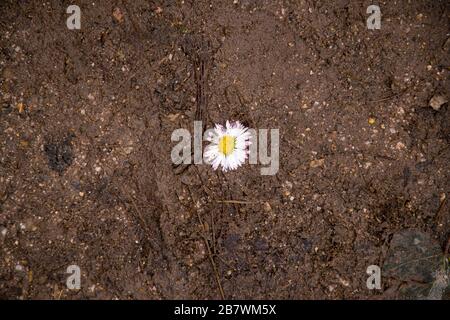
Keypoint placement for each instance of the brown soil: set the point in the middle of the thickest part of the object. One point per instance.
(86, 119)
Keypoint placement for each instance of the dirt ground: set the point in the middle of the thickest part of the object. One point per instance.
(86, 120)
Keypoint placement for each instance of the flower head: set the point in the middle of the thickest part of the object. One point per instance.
(229, 146)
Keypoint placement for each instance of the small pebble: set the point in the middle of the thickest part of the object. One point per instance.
(317, 163)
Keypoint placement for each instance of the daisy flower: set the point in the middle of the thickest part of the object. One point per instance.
(228, 147)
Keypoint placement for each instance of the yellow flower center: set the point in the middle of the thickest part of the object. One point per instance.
(226, 144)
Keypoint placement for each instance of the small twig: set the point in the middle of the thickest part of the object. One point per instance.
(383, 99)
(138, 214)
(388, 97)
(207, 193)
(226, 263)
(237, 201)
(439, 210)
(447, 248)
(210, 256)
(213, 231)
(229, 191)
(412, 261)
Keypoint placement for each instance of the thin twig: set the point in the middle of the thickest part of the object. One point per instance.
(447, 248)
(229, 192)
(210, 256)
